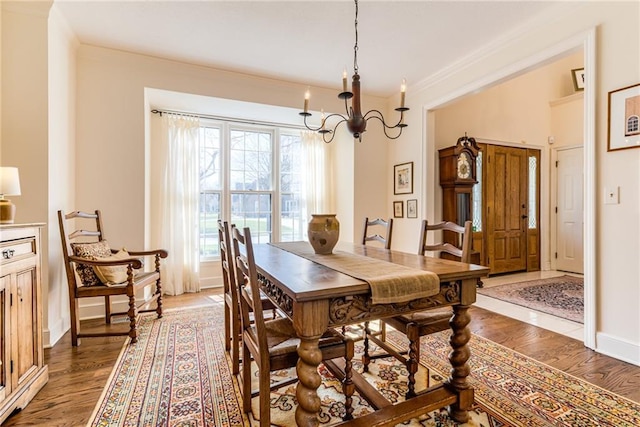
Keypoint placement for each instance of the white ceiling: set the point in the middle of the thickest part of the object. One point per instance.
(309, 42)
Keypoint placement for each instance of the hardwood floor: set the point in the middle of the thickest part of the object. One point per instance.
(78, 375)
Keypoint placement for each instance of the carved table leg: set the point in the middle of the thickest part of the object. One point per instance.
(459, 368)
(310, 320)
(308, 382)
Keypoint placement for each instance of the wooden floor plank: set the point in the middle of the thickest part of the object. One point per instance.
(77, 376)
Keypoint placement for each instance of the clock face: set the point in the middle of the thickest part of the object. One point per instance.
(464, 166)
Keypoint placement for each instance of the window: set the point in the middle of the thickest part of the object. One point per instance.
(533, 192)
(250, 176)
(632, 125)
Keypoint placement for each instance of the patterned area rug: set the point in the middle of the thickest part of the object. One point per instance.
(178, 375)
(560, 296)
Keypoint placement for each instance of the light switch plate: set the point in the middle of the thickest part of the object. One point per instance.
(611, 195)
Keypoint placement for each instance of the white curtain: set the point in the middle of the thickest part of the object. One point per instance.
(177, 229)
(316, 175)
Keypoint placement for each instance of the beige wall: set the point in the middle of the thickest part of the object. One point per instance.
(617, 238)
(25, 109)
(61, 165)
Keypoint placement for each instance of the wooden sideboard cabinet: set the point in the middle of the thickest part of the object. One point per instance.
(22, 369)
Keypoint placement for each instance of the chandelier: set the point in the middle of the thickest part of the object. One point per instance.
(356, 121)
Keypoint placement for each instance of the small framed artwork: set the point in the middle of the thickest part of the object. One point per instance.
(412, 208)
(578, 79)
(624, 118)
(403, 178)
(398, 209)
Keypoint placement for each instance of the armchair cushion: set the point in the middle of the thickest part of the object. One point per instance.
(112, 274)
(90, 251)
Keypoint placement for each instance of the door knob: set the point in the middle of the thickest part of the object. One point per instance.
(525, 216)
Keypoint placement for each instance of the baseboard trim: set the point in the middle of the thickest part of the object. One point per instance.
(618, 348)
(52, 335)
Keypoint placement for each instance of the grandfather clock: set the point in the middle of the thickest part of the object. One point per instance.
(457, 178)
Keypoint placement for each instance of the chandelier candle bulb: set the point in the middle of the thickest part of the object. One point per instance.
(403, 90)
(344, 80)
(322, 117)
(307, 95)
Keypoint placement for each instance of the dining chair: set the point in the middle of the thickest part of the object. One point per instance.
(273, 343)
(385, 225)
(416, 325)
(232, 327)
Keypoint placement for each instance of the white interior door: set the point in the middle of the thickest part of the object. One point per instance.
(570, 220)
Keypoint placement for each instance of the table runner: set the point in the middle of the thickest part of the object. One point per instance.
(390, 283)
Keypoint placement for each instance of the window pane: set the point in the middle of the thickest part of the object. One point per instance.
(251, 161)
(210, 172)
(253, 210)
(292, 225)
(477, 196)
(533, 202)
(209, 215)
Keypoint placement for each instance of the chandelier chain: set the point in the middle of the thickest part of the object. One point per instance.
(355, 47)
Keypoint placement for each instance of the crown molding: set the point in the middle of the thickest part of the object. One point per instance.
(507, 39)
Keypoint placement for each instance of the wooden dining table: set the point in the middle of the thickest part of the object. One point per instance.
(317, 297)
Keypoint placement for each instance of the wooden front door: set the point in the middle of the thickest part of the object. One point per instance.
(506, 197)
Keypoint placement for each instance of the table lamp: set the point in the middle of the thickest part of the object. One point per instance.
(9, 186)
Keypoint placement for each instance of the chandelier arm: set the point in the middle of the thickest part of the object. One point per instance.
(333, 132)
(342, 118)
(325, 121)
(312, 129)
(385, 127)
(371, 114)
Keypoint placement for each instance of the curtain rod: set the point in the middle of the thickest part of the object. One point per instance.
(230, 119)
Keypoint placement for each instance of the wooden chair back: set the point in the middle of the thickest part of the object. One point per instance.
(227, 262)
(462, 250)
(248, 287)
(95, 234)
(387, 225)
(231, 304)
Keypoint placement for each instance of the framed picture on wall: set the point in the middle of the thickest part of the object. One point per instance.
(412, 208)
(578, 79)
(398, 209)
(624, 118)
(403, 178)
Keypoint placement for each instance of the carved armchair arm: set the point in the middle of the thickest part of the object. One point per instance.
(134, 262)
(160, 252)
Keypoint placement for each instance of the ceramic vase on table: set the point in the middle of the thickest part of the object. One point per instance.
(323, 232)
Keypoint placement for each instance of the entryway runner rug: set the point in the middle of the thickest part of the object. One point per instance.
(561, 296)
(178, 374)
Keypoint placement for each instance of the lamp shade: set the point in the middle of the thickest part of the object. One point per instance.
(9, 181)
